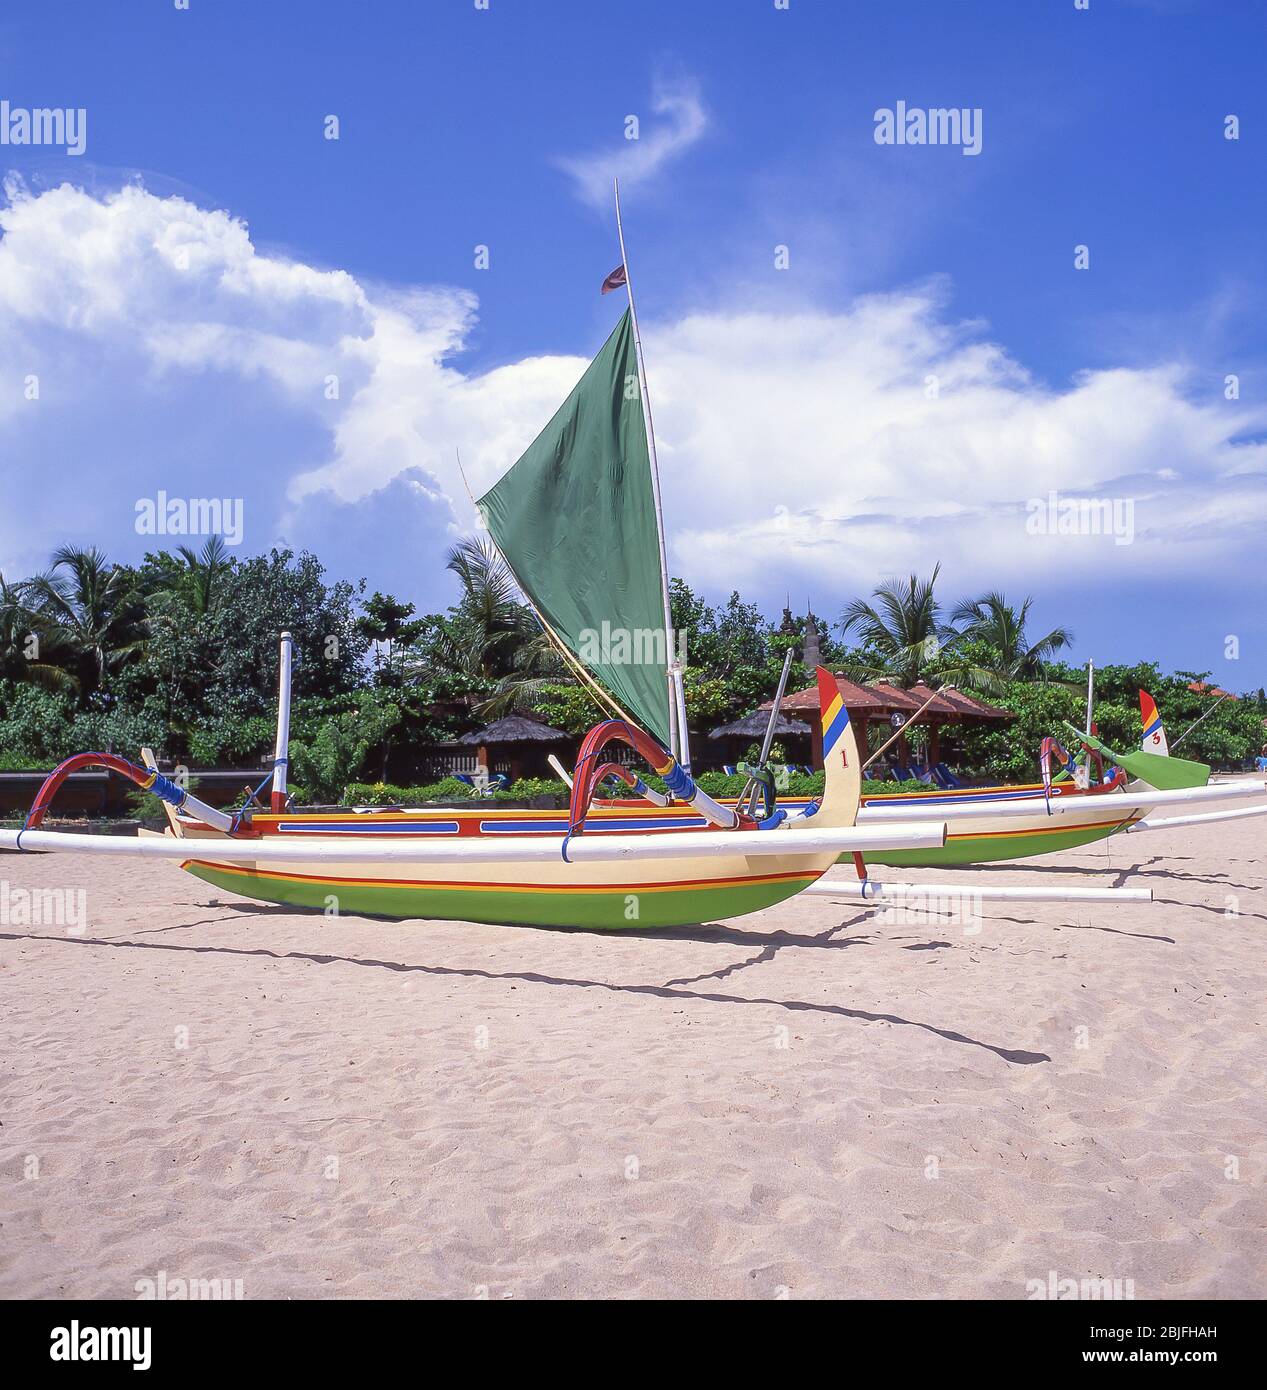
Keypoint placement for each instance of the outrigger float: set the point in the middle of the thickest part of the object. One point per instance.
(579, 521)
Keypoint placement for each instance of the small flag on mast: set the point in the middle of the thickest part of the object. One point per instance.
(615, 280)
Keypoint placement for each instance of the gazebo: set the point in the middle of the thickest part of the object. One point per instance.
(891, 706)
(741, 733)
(522, 743)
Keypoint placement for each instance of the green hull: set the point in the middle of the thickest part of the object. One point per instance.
(969, 849)
(607, 910)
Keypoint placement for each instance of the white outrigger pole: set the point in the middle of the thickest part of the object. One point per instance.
(277, 801)
(932, 896)
(679, 736)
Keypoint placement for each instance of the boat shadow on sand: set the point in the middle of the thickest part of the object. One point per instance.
(1014, 1056)
(1122, 876)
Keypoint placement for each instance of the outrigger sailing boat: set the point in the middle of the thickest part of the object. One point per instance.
(627, 876)
(578, 518)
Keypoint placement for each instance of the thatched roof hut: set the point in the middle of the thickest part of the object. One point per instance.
(753, 726)
(516, 728)
(523, 744)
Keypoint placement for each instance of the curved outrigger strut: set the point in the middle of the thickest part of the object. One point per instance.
(590, 772)
(147, 779)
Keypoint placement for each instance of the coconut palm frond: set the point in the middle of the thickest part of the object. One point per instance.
(901, 627)
(1000, 627)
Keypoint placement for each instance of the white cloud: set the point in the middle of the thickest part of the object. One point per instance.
(684, 121)
(170, 354)
(840, 469)
(798, 451)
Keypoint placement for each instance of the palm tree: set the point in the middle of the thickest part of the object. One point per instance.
(537, 664)
(91, 605)
(497, 635)
(25, 639)
(495, 622)
(1000, 629)
(901, 632)
(198, 584)
(182, 606)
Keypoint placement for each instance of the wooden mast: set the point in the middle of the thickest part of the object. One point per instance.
(679, 737)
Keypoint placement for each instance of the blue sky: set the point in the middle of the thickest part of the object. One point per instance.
(461, 127)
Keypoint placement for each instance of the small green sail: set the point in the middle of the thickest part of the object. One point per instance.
(575, 519)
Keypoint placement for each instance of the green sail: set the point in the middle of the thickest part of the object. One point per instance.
(575, 519)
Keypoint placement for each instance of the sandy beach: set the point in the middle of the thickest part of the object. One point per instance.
(820, 1100)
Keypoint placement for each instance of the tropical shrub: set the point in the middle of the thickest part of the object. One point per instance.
(35, 725)
(531, 788)
(332, 757)
(386, 794)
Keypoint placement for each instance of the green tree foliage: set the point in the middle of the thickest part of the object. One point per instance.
(268, 594)
(494, 636)
(31, 645)
(391, 629)
(570, 707)
(180, 653)
(994, 647)
(491, 622)
(35, 725)
(333, 753)
(733, 655)
(1009, 752)
(1229, 737)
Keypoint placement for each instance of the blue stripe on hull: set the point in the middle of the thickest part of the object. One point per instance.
(420, 827)
(551, 827)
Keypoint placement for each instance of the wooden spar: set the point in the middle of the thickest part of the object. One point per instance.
(768, 740)
(1174, 822)
(1226, 695)
(679, 736)
(600, 695)
(751, 791)
(1136, 799)
(560, 769)
(884, 747)
(173, 820)
(1090, 692)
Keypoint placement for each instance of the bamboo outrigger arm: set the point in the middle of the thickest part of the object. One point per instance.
(148, 779)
